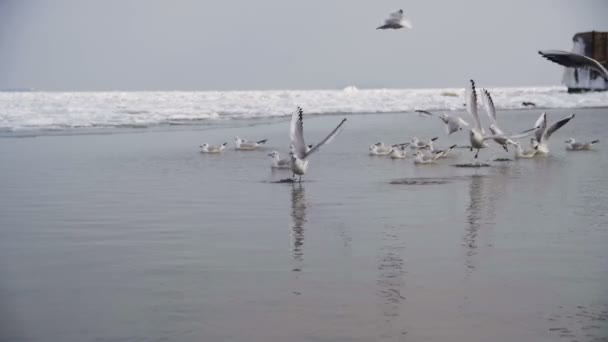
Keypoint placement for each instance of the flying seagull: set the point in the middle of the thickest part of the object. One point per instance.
(574, 60)
(395, 21)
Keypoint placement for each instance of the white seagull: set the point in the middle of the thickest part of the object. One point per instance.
(398, 152)
(526, 154)
(572, 145)
(499, 136)
(242, 144)
(423, 158)
(206, 148)
(544, 132)
(452, 123)
(443, 153)
(278, 163)
(476, 134)
(380, 149)
(299, 155)
(395, 21)
(422, 145)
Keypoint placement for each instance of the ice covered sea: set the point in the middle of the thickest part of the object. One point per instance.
(21, 111)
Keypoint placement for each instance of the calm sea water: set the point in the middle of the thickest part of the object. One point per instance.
(132, 235)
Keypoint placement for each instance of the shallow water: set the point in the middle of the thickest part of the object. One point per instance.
(135, 236)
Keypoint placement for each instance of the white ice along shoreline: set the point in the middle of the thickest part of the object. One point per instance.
(58, 110)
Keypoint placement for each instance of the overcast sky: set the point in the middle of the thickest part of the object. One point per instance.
(282, 44)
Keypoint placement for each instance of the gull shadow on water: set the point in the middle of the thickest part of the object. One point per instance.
(391, 268)
(298, 216)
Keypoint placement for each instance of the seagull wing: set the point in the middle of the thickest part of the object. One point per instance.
(471, 104)
(557, 125)
(541, 125)
(327, 139)
(574, 60)
(488, 104)
(296, 134)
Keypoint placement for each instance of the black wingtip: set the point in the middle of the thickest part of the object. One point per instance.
(595, 141)
(453, 146)
(263, 141)
(435, 138)
(224, 144)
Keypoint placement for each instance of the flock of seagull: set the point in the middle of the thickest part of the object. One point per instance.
(423, 151)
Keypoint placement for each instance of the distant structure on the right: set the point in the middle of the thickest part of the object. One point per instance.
(587, 63)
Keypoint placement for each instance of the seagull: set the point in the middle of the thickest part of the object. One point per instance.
(423, 158)
(278, 163)
(527, 154)
(443, 153)
(206, 148)
(452, 123)
(476, 134)
(544, 132)
(242, 144)
(572, 145)
(380, 149)
(398, 152)
(418, 144)
(299, 155)
(499, 136)
(395, 21)
(574, 60)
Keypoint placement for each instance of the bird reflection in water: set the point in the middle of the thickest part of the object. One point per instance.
(474, 212)
(390, 280)
(485, 193)
(298, 216)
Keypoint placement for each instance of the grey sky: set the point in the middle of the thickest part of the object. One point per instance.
(279, 44)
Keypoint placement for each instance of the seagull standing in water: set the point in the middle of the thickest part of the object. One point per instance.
(300, 154)
(278, 163)
(544, 132)
(395, 21)
(242, 144)
(423, 158)
(572, 145)
(380, 149)
(422, 145)
(398, 152)
(206, 148)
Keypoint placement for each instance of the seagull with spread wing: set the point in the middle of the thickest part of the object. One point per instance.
(499, 136)
(574, 60)
(301, 152)
(452, 123)
(544, 132)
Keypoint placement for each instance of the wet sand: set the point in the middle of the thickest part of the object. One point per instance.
(133, 235)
